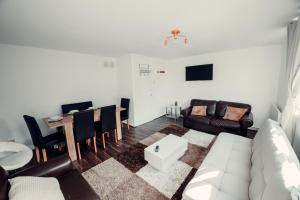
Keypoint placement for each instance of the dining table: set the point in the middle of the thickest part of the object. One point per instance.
(67, 124)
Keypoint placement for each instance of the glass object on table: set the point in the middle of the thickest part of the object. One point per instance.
(173, 111)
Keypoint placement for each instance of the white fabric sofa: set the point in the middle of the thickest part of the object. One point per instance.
(237, 168)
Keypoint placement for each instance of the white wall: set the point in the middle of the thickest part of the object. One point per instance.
(125, 83)
(245, 75)
(149, 92)
(283, 83)
(37, 81)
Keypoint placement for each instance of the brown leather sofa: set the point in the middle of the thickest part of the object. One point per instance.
(214, 123)
(72, 184)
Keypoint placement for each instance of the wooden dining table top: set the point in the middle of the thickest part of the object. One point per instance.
(68, 118)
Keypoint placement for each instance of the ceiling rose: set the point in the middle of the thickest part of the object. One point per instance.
(175, 36)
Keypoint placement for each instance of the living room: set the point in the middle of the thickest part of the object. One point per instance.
(63, 60)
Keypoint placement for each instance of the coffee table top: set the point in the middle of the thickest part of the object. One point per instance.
(167, 146)
(14, 155)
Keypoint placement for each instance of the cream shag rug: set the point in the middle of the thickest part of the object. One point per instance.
(166, 182)
(199, 138)
(138, 180)
(112, 181)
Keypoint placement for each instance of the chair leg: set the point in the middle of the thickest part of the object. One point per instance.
(78, 150)
(95, 144)
(44, 155)
(37, 153)
(115, 132)
(127, 124)
(103, 140)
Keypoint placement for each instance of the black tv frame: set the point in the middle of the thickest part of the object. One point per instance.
(199, 72)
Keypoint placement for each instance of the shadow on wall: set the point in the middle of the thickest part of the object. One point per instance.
(6, 133)
(296, 140)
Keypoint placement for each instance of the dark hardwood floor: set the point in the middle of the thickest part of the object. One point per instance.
(130, 137)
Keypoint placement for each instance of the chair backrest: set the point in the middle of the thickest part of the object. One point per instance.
(125, 104)
(34, 130)
(76, 106)
(84, 125)
(108, 118)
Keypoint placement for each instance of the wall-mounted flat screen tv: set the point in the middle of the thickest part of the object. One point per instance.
(199, 72)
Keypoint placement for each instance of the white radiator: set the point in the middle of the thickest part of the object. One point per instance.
(275, 113)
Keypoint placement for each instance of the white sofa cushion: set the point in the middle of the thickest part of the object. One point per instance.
(275, 167)
(35, 188)
(225, 172)
(237, 168)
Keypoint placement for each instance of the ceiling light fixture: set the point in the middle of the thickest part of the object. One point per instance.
(175, 37)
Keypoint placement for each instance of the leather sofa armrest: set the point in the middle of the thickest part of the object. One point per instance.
(186, 111)
(52, 168)
(247, 121)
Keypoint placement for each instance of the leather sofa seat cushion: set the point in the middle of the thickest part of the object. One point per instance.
(275, 166)
(4, 184)
(199, 119)
(225, 172)
(224, 123)
(211, 105)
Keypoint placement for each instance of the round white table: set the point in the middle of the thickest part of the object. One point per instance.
(14, 155)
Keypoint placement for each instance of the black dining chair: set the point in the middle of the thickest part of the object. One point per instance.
(76, 106)
(66, 108)
(107, 122)
(84, 129)
(125, 113)
(39, 141)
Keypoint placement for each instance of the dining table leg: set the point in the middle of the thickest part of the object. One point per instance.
(118, 121)
(68, 127)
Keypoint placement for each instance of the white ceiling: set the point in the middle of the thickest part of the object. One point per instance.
(116, 27)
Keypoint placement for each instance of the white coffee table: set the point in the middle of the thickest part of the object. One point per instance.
(171, 148)
(14, 155)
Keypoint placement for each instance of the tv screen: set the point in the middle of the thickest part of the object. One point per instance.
(199, 72)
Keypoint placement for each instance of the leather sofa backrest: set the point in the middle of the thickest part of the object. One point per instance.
(57, 167)
(275, 169)
(4, 184)
(211, 105)
(222, 105)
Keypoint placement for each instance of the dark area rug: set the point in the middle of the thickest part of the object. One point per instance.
(134, 186)
(133, 157)
(194, 155)
(175, 130)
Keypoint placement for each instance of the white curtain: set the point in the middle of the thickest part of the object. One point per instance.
(292, 107)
